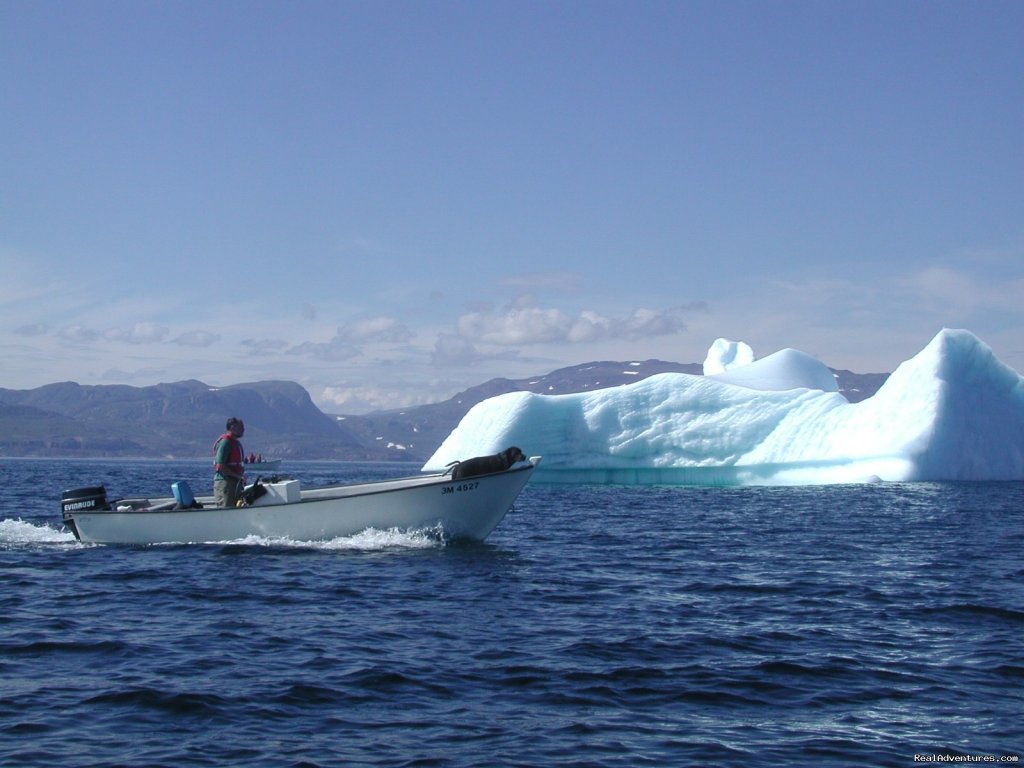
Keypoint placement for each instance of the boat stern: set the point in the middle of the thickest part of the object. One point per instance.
(81, 500)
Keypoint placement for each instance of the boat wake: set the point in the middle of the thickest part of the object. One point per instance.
(16, 533)
(370, 540)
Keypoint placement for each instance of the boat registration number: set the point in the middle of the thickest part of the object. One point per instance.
(460, 488)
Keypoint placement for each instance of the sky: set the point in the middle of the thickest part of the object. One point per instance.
(389, 202)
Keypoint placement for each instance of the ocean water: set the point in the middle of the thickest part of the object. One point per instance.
(597, 626)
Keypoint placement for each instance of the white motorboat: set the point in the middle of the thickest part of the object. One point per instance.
(262, 465)
(468, 508)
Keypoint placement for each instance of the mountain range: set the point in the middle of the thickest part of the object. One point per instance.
(182, 419)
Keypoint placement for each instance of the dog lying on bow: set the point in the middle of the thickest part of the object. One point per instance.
(484, 465)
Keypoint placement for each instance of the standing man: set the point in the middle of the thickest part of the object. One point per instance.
(228, 464)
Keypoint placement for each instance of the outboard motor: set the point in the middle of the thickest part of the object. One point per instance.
(81, 500)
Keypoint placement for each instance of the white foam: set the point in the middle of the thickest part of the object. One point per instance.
(18, 532)
(372, 539)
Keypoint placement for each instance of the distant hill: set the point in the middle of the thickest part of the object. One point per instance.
(168, 420)
(182, 420)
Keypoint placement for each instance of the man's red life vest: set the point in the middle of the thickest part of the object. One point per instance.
(235, 453)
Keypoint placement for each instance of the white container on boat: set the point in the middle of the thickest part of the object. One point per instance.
(284, 492)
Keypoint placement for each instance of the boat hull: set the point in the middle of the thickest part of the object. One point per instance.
(462, 509)
(263, 466)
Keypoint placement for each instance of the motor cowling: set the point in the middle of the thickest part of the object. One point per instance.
(81, 500)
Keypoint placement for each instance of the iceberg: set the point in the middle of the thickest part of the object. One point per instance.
(952, 412)
(725, 354)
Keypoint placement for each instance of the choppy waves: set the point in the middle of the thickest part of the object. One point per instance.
(851, 625)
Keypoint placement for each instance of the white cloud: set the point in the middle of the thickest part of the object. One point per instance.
(453, 350)
(348, 341)
(589, 326)
(352, 400)
(197, 339)
(530, 325)
(375, 329)
(78, 333)
(334, 351)
(140, 333)
(653, 322)
(535, 325)
(32, 329)
(264, 346)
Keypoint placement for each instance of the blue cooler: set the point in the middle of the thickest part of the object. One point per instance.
(183, 493)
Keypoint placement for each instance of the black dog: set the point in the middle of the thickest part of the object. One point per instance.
(484, 465)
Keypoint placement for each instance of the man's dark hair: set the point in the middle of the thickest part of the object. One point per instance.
(232, 422)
